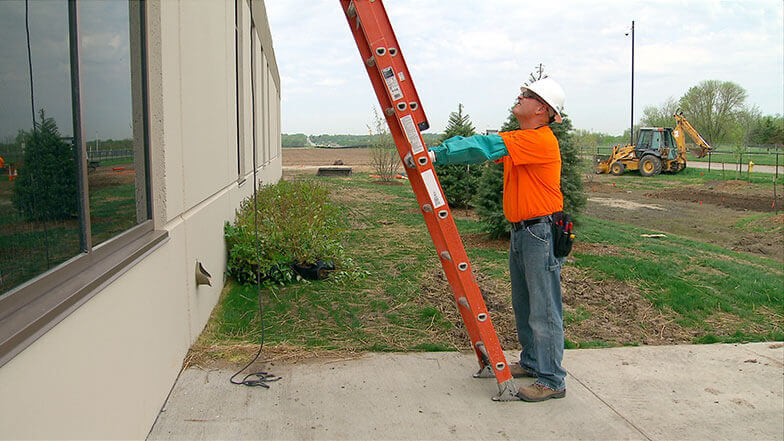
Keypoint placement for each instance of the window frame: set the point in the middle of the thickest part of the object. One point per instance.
(238, 33)
(31, 309)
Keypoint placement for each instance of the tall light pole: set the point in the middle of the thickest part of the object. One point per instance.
(631, 124)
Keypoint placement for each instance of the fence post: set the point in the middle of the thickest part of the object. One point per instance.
(709, 161)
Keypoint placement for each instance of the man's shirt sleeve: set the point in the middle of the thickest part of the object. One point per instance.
(471, 150)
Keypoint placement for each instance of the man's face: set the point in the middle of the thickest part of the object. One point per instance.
(527, 104)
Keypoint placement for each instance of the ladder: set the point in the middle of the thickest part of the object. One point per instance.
(403, 112)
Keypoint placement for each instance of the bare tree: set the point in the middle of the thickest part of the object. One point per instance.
(383, 154)
(537, 74)
(739, 134)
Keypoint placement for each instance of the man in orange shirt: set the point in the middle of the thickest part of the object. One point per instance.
(532, 193)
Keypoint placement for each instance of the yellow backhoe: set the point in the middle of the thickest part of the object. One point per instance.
(658, 149)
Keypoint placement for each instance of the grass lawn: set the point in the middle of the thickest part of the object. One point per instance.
(759, 157)
(695, 175)
(116, 161)
(691, 176)
(393, 296)
(694, 280)
(724, 153)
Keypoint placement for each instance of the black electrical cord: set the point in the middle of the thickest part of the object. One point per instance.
(30, 60)
(262, 378)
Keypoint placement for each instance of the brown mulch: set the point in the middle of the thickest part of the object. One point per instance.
(613, 311)
(735, 201)
(483, 241)
(609, 311)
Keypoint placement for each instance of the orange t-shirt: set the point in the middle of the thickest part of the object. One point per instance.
(532, 174)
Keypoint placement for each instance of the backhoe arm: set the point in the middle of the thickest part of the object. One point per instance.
(684, 126)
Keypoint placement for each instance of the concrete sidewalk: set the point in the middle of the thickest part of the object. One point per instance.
(652, 392)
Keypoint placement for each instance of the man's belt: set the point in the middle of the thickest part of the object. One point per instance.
(528, 222)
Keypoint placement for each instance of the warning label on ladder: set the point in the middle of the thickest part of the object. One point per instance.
(433, 189)
(392, 84)
(412, 135)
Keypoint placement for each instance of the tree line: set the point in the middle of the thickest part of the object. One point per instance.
(717, 109)
(300, 140)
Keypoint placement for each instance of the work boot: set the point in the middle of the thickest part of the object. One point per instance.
(518, 371)
(537, 392)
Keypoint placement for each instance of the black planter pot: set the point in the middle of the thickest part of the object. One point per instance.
(314, 271)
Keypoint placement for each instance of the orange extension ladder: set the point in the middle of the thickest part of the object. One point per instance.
(403, 111)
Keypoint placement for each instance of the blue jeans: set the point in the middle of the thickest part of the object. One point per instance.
(536, 299)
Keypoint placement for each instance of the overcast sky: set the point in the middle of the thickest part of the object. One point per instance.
(105, 67)
(480, 52)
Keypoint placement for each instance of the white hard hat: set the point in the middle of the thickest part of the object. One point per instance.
(551, 92)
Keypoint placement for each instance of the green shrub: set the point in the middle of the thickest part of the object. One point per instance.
(296, 225)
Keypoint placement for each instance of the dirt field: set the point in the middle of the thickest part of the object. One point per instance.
(731, 214)
(710, 212)
(307, 160)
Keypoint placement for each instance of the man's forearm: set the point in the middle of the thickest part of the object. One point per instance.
(471, 150)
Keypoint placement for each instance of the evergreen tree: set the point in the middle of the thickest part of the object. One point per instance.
(46, 188)
(489, 200)
(571, 181)
(459, 182)
(768, 130)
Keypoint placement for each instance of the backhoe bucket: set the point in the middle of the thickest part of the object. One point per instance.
(602, 164)
(699, 152)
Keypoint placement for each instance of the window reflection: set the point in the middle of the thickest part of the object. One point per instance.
(105, 52)
(38, 206)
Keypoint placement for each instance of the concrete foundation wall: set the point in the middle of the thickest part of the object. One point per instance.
(105, 371)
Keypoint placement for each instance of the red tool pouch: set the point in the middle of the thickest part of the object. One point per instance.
(563, 238)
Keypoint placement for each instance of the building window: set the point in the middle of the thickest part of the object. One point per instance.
(74, 195)
(39, 228)
(244, 65)
(257, 86)
(115, 151)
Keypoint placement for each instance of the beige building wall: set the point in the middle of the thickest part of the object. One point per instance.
(105, 371)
